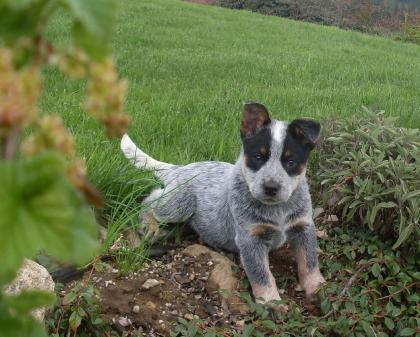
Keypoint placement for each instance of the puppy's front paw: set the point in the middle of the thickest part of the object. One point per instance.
(312, 282)
(311, 286)
(276, 307)
(265, 294)
(269, 296)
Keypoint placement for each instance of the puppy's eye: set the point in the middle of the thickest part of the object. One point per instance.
(291, 163)
(258, 156)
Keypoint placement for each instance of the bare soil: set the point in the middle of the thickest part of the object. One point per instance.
(180, 292)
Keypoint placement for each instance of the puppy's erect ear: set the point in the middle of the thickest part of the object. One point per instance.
(255, 116)
(306, 130)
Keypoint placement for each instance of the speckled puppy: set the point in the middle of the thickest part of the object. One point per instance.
(250, 207)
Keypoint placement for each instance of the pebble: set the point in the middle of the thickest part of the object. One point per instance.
(109, 282)
(321, 233)
(124, 321)
(174, 312)
(317, 212)
(332, 218)
(150, 305)
(150, 283)
(189, 316)
(136, 308)
(240, 323)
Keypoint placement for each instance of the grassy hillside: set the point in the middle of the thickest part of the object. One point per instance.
(190, 67)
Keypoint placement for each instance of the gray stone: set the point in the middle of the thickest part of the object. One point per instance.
(318, 212)
(222, 278)
(31, 276)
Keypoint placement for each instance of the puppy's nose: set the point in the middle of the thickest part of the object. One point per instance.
(271, 188)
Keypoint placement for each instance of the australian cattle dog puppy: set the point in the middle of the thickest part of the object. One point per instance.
(250, 207)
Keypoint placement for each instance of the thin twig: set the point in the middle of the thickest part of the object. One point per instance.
(398, 291)
(351, 281)
(361, 269)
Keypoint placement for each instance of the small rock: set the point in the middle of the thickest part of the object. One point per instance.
(321, 233)
(189, 316)
(150, 305)
(332, 218)
(107, 283)
(124, 321)
(222, 276)
(208, 307)
(136, 309)
(160, 321)
(317, 212)
(192, 277)
(115, 271)
(174, 312)
(182, 280)
(150, 283)
(197, 297)
(240, 323)
(31, 276)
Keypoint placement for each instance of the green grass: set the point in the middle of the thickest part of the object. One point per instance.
(190, 67)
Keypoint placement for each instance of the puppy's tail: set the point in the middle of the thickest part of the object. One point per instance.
(139, 158)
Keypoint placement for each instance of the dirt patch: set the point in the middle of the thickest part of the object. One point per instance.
(151, 300)
(180, 291)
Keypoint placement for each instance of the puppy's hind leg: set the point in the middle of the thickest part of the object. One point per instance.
(165, 206)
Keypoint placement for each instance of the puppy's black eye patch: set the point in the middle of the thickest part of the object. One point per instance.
(257, 149)
(295, 155)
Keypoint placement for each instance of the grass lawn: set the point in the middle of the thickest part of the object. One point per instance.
(190, 67)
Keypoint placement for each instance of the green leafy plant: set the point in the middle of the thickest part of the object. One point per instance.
(45, 194)
(371, 174)
(77, 314)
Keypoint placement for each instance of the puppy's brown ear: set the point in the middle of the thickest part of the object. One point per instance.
(306, 130)
(255, 116)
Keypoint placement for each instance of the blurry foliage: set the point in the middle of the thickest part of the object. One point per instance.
(370, 173)
(410, 33)
(45, 191)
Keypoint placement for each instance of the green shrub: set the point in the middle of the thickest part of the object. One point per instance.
(410, 33)
(370, 171)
